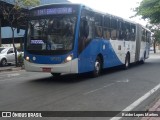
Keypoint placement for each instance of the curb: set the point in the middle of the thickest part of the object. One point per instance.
(11, 69)
(155, 107)
(6, 69)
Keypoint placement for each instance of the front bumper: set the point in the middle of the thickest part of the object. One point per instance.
(69, 67)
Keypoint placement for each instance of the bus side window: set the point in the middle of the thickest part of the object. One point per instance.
(84, 32)
(143, 34)
(120, 34)
(84, 28)
(91, 27)
(106, 30)
(113, 28)
(128, 30)
(133, 32)
(98, 26)
(98, 31)
(123, 31)
(106, 33)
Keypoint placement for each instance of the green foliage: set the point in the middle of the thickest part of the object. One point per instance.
(16, 15)
(157, 36)
(149, 9)
(20, 59)
(26, 3)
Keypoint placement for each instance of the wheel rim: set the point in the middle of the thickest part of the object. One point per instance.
(127, 63)
(3, 62)
(97, 67)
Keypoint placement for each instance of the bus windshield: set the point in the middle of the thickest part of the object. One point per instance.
(51, 34)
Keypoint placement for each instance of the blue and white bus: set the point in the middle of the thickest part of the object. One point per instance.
(73, 38)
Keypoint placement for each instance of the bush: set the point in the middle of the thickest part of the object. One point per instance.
(20, 59)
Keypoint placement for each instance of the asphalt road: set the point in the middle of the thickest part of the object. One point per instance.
(114, 90)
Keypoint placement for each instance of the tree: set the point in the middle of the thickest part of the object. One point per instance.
(156, 38)
(149, 9)
(16, 15)
(155, 29)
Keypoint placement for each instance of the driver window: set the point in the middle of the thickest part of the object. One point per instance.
(98, 25)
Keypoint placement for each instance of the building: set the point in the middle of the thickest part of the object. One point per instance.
(5, 30)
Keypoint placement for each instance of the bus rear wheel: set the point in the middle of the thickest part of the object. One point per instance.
(144, 58)
(56, 74)
(127, 62)
(97, 67)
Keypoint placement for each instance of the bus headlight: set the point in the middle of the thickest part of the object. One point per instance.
(69, 58)
(27, 58)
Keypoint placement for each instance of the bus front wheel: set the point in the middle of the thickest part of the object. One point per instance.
(97, 67)
(56, 74)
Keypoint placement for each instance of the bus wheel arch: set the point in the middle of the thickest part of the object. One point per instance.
(98, 65)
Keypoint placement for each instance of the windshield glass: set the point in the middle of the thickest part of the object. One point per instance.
(55, 33)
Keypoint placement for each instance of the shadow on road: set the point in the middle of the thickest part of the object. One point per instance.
(76, 78)
(66, 78)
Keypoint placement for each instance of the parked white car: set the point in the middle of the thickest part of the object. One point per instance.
(7, 55)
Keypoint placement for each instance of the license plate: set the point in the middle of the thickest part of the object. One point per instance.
(46, 69)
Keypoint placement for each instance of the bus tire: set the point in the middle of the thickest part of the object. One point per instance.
(127, 62)
(56, 74)
(144, 58)
(97, 67)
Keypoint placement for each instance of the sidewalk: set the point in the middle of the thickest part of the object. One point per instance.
(154, 108)
(11, 68)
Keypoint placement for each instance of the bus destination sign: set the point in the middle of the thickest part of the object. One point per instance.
(52, 11)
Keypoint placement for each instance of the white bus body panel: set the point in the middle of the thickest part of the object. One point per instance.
(122, 47)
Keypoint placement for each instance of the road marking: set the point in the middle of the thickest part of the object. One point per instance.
(137, 102)
(123, 81)
(13, 75)
(98, 89)
(9, 75)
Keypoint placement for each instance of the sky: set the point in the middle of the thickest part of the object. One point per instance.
(121, 8)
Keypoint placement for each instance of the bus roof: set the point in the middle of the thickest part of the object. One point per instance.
(91, 9)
